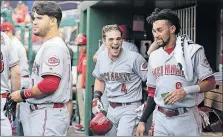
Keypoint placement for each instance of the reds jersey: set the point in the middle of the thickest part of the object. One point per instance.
(23, 62)
(125, 45)
(9, 58)
(123, 77)
(165, 75)
(53, 58)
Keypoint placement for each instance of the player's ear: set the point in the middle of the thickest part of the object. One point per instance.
(172, 29)
(53, 22)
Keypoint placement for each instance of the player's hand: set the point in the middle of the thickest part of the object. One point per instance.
(151, 131)
(152, 47)
(174, 96)
(140, 129)
(15, 96)
(96, 106)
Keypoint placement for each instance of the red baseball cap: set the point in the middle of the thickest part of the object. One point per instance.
(6, 26)
(81, 39)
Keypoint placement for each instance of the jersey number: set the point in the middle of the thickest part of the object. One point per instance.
(1, 63)
(178, 85)
(124, 89)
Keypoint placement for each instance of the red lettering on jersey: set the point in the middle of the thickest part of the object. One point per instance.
(1, 63)
(124, 89)
(178, 85)
(167, 69)
(53, 61)
(173, 69)
(144, 66)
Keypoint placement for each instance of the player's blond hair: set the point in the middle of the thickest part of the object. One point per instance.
(109, 28)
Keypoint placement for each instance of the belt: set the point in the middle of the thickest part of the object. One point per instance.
(114, 105)
(55, 105)
(171, 112)
(4, 95)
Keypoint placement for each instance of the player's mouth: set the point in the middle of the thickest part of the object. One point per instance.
(115, 47)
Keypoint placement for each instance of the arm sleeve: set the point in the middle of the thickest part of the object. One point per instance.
(151, 81)
(53, 62)
(84, 71)
(148, 110)
(49, 84)
(203, 69)
(140, 67)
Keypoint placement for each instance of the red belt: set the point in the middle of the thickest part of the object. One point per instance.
(55, 105)
(169, 112)
(114, 105)
(4, 95)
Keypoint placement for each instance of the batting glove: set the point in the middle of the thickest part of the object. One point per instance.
(97, 106)
(140, 110)
(205, 119)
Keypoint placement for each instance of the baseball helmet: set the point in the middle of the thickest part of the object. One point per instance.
(124, 31)
(81, 39)
(6, 26)
(100, 124)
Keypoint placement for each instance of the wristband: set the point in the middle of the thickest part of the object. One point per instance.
(26, 93)
(97, 94)
(192, 89)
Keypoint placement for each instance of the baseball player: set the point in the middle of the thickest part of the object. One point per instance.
(81, 42)
(120, 72)
(125, 44)
(175, 87)
(25, 74)
(8, 66)
(50, 75)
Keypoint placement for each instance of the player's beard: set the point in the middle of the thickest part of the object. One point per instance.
(164, 43)
(42, 32)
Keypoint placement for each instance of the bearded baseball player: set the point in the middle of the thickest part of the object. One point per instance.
(24, 109)
(50, 75)
(9, 65)
(177, 72)
(121, 76)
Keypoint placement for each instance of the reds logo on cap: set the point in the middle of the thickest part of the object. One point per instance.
(53, 61)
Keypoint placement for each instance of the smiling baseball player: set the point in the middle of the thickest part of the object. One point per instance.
(50, 75)
(121, 76)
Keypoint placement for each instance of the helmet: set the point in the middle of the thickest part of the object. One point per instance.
(124, 31)
(100, 124)
(81, 39)
(6, 26)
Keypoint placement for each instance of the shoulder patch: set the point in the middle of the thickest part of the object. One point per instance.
(144, 66)
(53, 61)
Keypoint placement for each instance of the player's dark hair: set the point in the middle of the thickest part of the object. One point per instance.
(49, 8)
(165, 14)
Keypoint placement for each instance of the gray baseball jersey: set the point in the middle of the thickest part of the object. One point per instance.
(123, 77)
(9, 58)
(165, 74)
(125, 45)
(53, 58)
(23, 62)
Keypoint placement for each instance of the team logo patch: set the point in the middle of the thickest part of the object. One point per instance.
(53, 61)
(144, 66)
